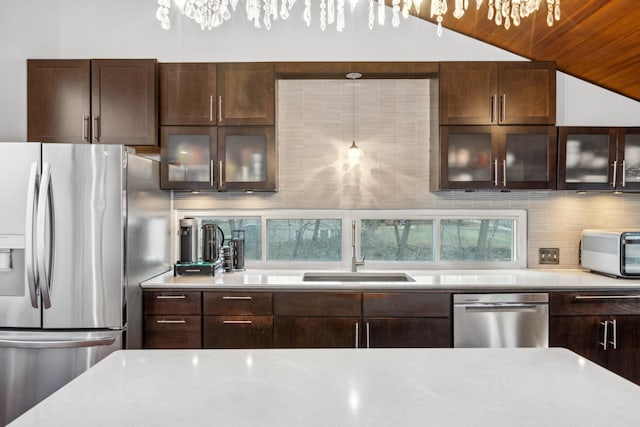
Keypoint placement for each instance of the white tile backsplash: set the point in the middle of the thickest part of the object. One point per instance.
(315, 129)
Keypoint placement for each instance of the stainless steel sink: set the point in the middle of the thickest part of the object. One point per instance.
(356, 277)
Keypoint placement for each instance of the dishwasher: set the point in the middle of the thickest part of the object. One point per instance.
(501, 320)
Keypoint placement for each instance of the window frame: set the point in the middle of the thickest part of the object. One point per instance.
(519, 216)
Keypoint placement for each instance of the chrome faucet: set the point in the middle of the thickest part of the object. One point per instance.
(354, 261)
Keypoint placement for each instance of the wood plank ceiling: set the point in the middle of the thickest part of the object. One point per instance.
(595, 40)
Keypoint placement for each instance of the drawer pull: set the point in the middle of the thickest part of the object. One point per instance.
(606, 297)
(236, 298)
(171, 321)
(237, 322)
(171, 296)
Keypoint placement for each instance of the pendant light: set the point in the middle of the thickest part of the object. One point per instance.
(354, 154)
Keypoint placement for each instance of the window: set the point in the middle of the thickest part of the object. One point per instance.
(397, 239)
(476, 240)
(385, 238)
(304, 239)
(252, 227)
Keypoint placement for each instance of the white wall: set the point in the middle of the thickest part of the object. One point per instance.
(129, 29)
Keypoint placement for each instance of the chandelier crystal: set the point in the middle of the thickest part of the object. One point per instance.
(211, 14)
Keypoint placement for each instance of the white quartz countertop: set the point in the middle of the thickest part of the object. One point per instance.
(342, 387)
(481, 280)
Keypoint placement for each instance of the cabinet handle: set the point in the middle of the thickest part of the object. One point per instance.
(228, 297)
(171, 296)
(211, 173)
(220, 164)
(624, 173)
(211, 108)
(495, 172)
(503, 107)
(504, 173)
(237, 322)
(493, 108)
(357, 334)
(165, 321)
(604, 341)
(368, 335)
(605, 297)
(220, 109)
(96, 128)
(614, 326)
(615, 170)
(85, 128)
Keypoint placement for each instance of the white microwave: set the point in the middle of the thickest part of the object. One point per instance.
(612, 252)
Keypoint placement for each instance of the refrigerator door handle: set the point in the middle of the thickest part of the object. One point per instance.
(91, 342)
(29, 247)
(45, 200)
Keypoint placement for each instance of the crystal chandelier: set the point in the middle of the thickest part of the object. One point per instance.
(212, 13)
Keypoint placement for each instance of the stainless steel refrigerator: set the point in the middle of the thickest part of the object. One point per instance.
(81, 225)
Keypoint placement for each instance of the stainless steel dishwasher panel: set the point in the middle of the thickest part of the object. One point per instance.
(501, 320)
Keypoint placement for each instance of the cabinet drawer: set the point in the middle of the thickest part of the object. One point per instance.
(172, 302)
(172, 332)
(317, 304)
(594, 303)
(406, 304)
(238, 332)
(238, 303)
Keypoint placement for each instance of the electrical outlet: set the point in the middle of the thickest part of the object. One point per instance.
(549, 256)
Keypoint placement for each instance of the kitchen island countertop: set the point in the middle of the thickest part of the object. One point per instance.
(342, 387)
(454, 280)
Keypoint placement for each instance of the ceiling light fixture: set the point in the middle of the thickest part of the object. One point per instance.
(354, 153)
(213, 13)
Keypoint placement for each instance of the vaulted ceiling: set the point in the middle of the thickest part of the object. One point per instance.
(595, 40)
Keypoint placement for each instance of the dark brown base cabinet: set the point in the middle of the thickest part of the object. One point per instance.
(300, 319)
(316, 319)
(602, 327)
(406, 319)
(393, 319)
(172, 319)
(237, 319)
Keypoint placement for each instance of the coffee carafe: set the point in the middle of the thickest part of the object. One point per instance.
(237, 244)
(212, 241)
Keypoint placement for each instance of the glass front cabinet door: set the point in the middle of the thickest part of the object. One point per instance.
(188, 155)
(498, 157)
(587, 158)
(468, 157)
(629, 159)
(529, 157)
(235, 158)
(247, 158)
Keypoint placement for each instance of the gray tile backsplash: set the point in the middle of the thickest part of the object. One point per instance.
(315, 128)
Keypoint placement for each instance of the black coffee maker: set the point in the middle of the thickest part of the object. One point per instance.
(199, 248)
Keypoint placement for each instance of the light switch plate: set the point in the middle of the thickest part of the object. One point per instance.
(549, 256)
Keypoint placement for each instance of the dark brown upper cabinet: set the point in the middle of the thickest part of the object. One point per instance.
(503, 93)
(188, 94)
(495, 158)
(232, 158)
(225, 94)
(599, 158)
(246, 94)
(108, 101)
